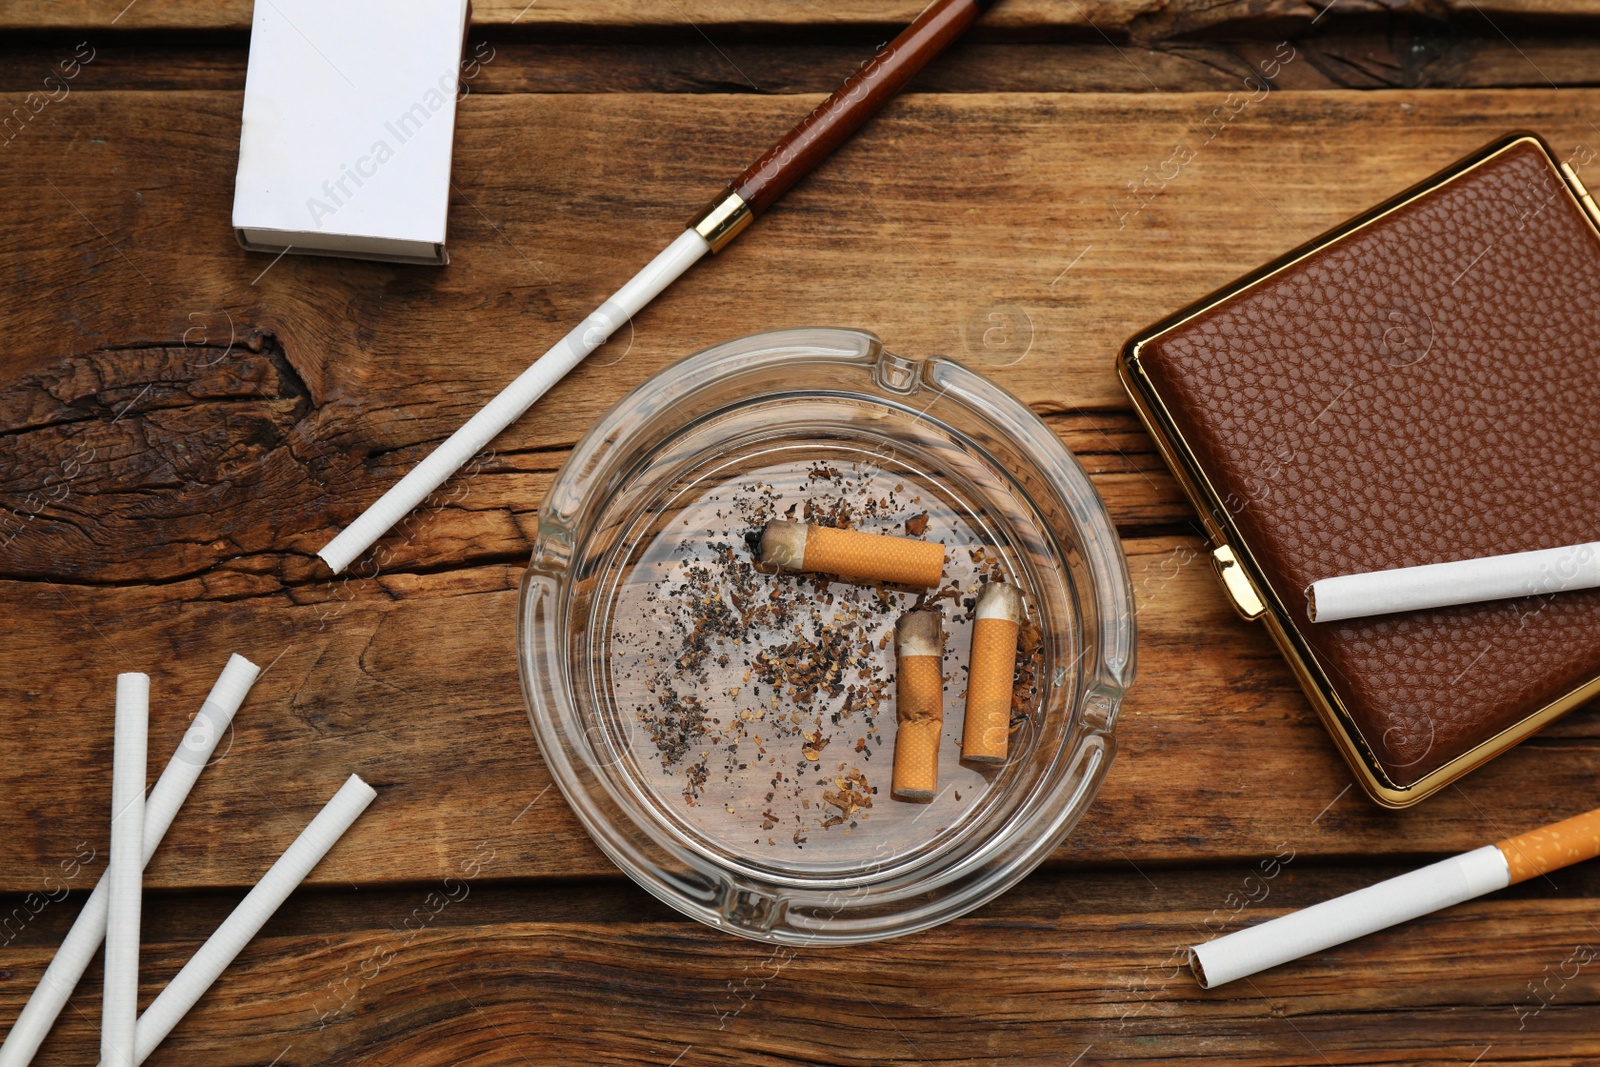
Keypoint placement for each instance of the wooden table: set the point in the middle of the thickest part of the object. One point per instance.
(185, 423)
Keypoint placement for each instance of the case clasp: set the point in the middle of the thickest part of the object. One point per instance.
(1585, 200)
(1246, 601)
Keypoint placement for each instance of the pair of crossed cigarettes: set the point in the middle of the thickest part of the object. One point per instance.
(919, 643)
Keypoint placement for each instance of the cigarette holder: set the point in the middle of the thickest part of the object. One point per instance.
(1417, 385)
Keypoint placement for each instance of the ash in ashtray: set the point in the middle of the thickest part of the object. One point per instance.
(766, 700)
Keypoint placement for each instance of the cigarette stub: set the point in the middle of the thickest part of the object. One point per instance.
(1467, 581)
(919, 704)
(991, 671)
(795, 546)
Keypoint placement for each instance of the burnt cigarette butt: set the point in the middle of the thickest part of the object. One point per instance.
(991, 671)
(919, 704)
(795, 546)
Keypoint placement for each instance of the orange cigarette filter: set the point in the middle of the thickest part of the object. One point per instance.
(919, 704)
(1552, 847)
(991, 671)
(795, 546)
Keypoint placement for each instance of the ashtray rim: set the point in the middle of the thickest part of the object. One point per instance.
(724, 896)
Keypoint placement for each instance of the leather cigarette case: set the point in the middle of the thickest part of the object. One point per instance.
(1420, 384)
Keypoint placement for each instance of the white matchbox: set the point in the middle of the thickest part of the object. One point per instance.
(349, 117)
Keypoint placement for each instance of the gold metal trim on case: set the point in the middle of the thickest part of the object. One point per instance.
(723, 219)
(1581, 191)
(1220, 528)
(1246, 601)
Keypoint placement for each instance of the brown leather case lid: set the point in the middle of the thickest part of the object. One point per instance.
(1424, 389)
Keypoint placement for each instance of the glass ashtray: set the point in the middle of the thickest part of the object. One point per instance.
(725, 733)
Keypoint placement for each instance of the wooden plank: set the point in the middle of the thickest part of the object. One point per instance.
(1060, 252)
(237, 463)
(507, 63)
(1430, 55)
(1119, 19)
(409, 680)
(1051, 976)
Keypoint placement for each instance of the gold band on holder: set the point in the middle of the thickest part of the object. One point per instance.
(723, 219)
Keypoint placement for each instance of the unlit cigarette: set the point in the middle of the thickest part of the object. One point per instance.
(125, 871)
(509, 404)
(795, 546)
(728, 214)
(1440, 885)
(1467, 581)
(919, 704)
(89, 929)
(991, 670)
(246, 920)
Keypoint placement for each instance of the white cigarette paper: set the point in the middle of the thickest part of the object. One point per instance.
(89, 929)
(246, 920)
(125, 871)
(513, 400)
(1333, 922)
(1467, 581)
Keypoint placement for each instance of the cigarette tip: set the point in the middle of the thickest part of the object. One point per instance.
(999, 600)
(919, 632)
(233, 685)
(782, 544)
(334, 566)
(1311, 601)
(1198, 968)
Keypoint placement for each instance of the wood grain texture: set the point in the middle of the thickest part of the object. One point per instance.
(1120, 19)
(182, 424)
(1070, 967)
(1077, 229)
(409, 680)
(165, 491)
(1406, 55)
